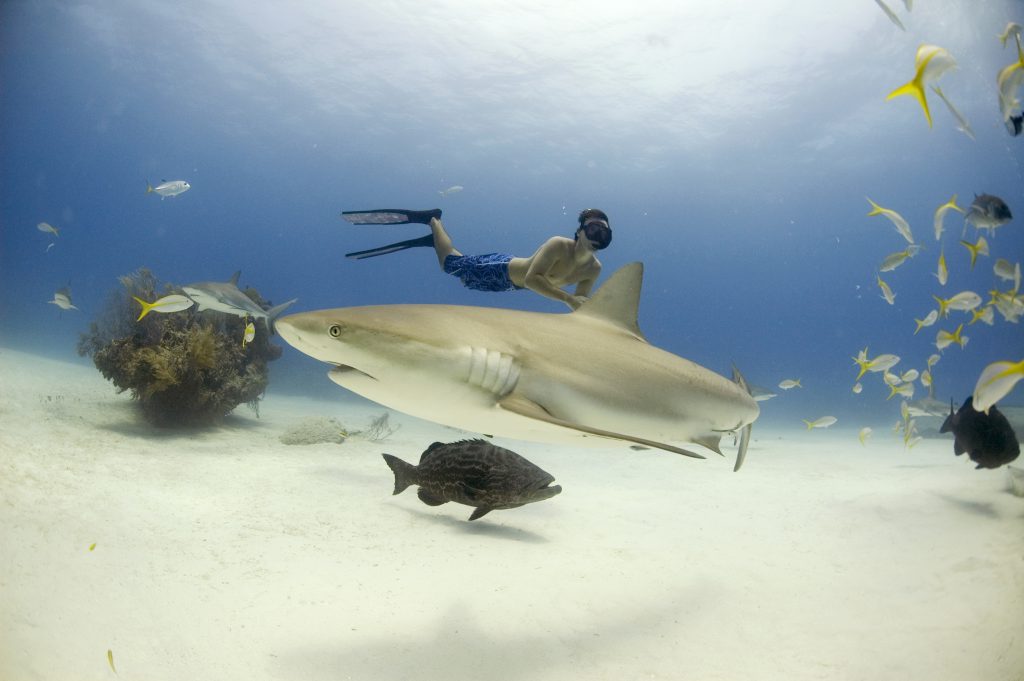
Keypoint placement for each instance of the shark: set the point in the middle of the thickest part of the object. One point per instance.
(583, 377)
(228, 298)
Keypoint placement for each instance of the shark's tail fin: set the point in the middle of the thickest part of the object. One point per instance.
(741, 454)
(405, 473)
(275, 312)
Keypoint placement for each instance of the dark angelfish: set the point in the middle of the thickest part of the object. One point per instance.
(988, 439)
(475, 473)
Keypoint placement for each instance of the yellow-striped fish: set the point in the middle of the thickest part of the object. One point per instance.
(895, 218)
(995, 382)
(172, 303)
(887, 293)
(976, 249)
(942, 274)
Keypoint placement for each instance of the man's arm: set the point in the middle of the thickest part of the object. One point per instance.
(583, 288)
(540, 263)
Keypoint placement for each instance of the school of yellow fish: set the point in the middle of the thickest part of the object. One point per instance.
(998, 378)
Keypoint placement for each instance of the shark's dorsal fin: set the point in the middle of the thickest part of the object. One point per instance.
(618, 300)
(235, 276)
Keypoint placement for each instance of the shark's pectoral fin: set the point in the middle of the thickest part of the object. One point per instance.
(744, 443)
(749, 428)
(518, 404)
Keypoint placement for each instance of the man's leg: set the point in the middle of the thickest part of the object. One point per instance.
(442, 242)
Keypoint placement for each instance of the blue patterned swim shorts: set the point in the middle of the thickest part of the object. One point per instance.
(488, 272)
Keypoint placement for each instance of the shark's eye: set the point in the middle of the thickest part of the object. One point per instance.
(335, 330)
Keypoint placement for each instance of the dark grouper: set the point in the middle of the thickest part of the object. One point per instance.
(474, 473)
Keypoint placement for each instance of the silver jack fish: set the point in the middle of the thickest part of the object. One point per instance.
(475, 473)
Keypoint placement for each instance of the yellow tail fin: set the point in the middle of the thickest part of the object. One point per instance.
(146, 308)
(914, 89)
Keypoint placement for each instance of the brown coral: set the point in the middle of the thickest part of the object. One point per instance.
(184, 367)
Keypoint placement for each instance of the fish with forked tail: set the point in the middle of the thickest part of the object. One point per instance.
(475, 473)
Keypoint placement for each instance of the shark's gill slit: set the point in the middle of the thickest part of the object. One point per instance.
(493, 371)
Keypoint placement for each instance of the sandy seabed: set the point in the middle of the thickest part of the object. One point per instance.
(225, 554)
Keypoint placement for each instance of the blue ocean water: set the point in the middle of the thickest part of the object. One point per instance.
(732, 147)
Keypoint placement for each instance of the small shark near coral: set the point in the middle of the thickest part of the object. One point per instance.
(228, 298)
(585, 377)
(475, 473)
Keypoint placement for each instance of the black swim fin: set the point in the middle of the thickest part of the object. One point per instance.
(427, 241)
(390, 216)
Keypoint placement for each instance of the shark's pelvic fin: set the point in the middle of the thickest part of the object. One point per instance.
(712, 442)
(618, 300)
(530, 409)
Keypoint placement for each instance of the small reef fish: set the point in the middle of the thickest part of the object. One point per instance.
(987, 437)
(902, 226)
(961, 123)
(1012, 30)
(988, 212)
(965, 301)
(1015, 125)
(1009, 81)
(47, 228)
(985, 315)
(903, 389)
(823, 422)
(454, 189)
(926, 378)
(940, 215)
(942, 273)
(857, 388)
(995, 383)
(790, 383)
(165, 188)
(863, 435)
(887, 293)
(944, 338)
(474, 473)
(909, 376)
(880, 363)
(248, 334)
(62, 299)
(171, 303)
(110, 660)
(930, 62)
(892, 15)
(933, 360)
(894, 260)
(1007, 272)
(929, 319)
(1008, 304)
(976, 249)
